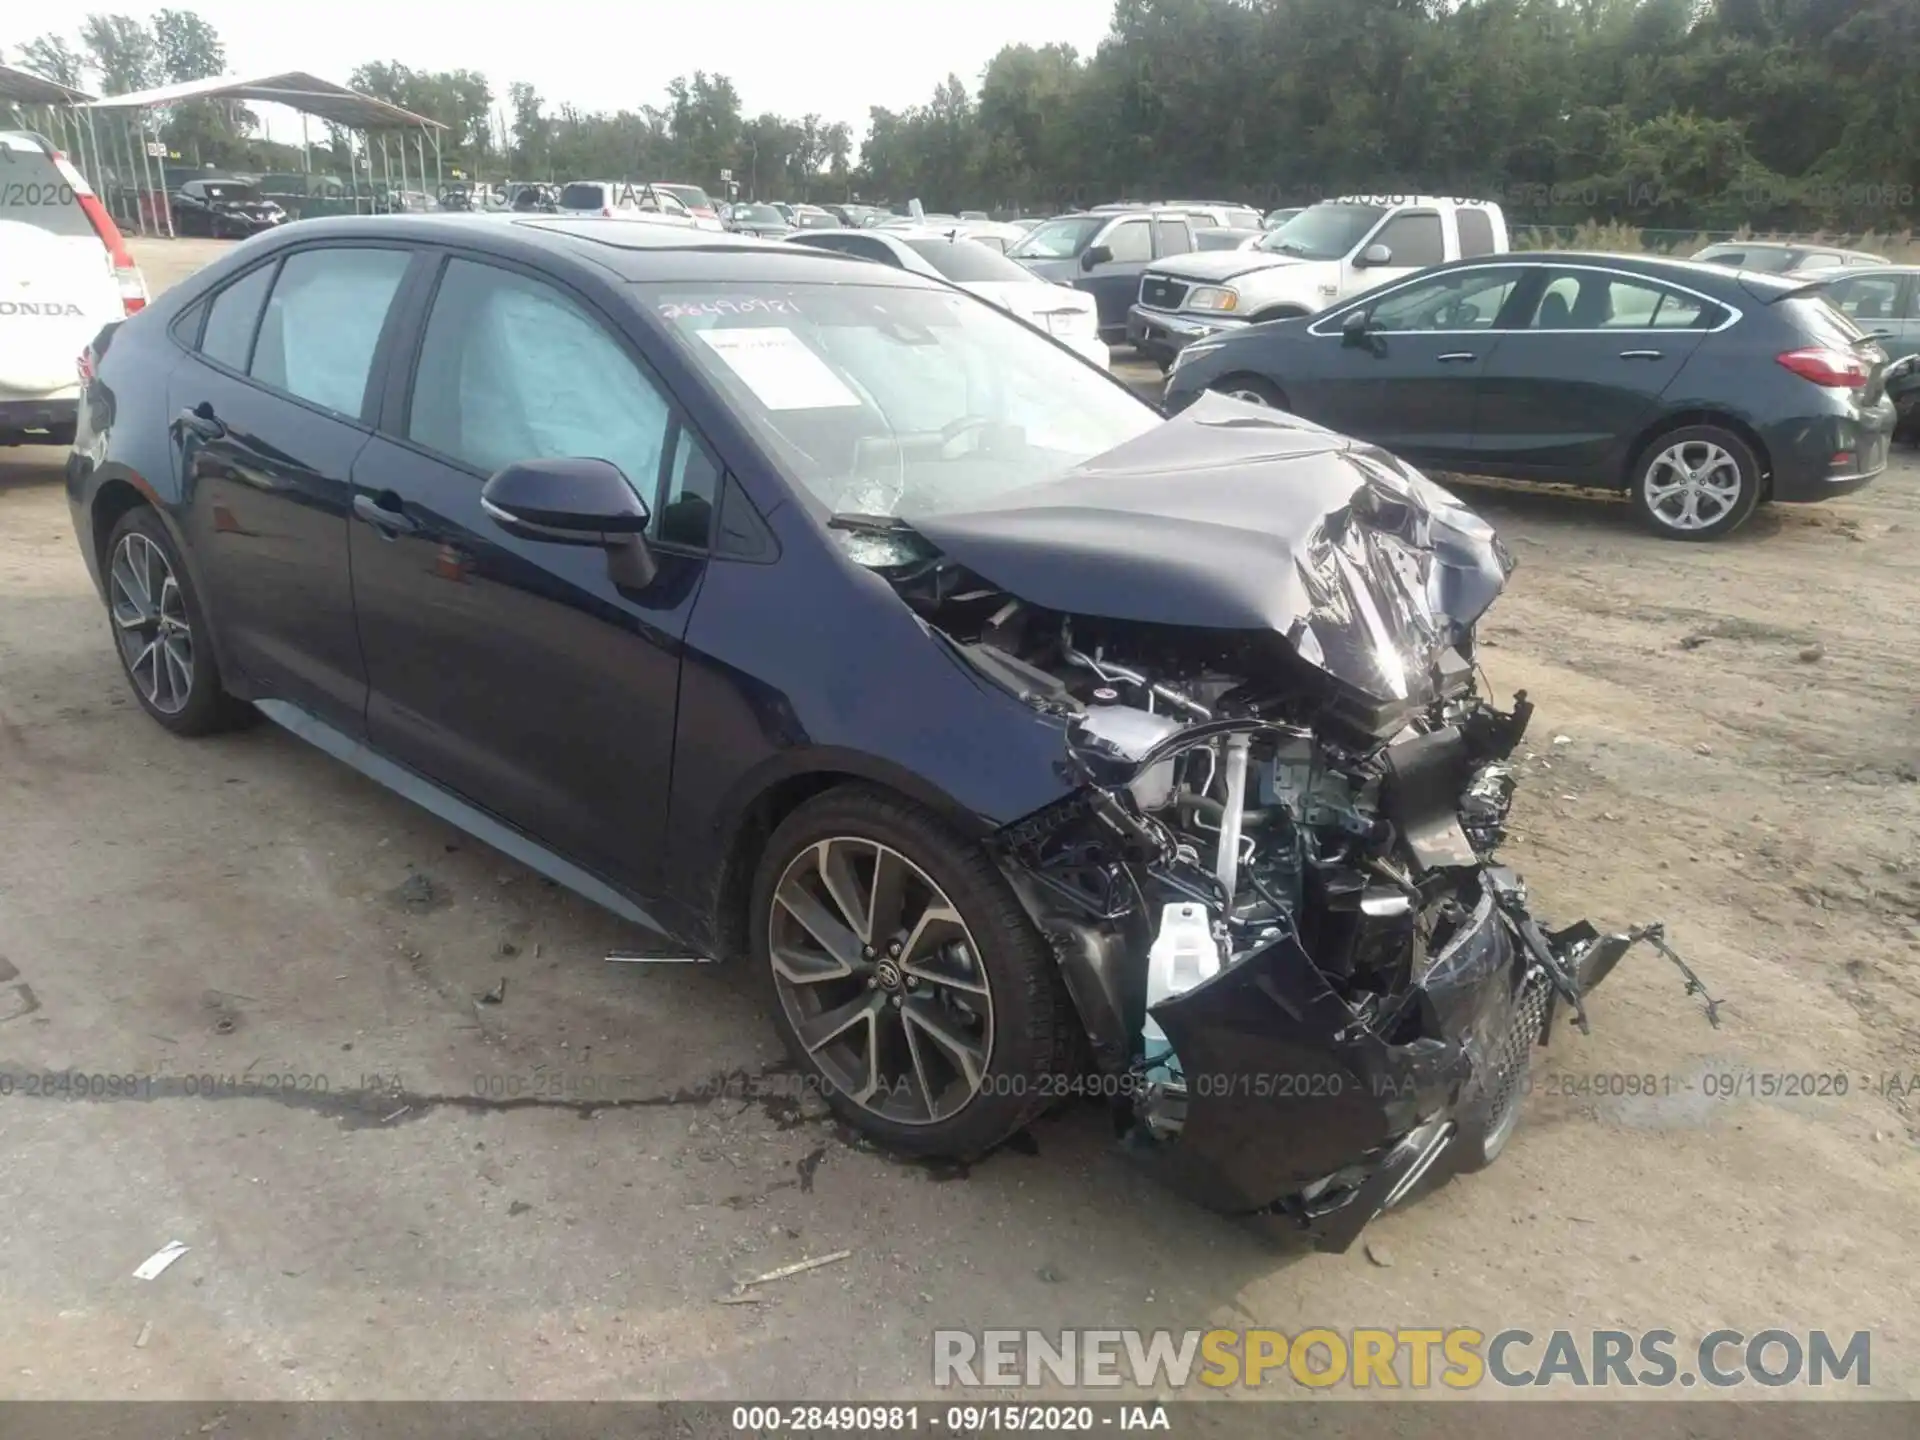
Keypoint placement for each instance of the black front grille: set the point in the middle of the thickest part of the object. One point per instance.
(1513, 1053)
(1157, 292)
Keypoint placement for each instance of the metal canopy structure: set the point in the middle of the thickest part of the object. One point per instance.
(295, 89)
(23, 87)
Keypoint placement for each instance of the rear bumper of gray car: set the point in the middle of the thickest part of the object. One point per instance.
(1160, 335)
(1820, 457)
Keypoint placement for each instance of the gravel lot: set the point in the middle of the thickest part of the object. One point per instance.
(1738, 759)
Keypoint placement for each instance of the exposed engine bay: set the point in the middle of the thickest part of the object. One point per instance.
(1272, 888)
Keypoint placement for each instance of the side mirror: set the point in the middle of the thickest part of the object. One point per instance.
(1095, 255)
(575, 502)
(1373, 255)
(1354, 326)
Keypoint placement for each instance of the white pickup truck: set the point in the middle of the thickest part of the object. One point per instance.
(1324, 254)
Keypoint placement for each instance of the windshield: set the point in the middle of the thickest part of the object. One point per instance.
(894, 400)
(237, 194)
(1323, 232)
(1059, 239)
(966, 261)
(756, 215)
(691, 195)
(815, 220)
(1772, 260)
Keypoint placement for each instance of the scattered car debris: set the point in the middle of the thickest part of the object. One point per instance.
(497, 995)
(152, 1267)
(518, 1207)
(1050, 1276)
(1693, 642)
(146, 1334)
(1379, 1254)
(1812, 653)
(417, 893)
(1703, 748)
(787, 1272)
(396, 1115)
(1563, 739)
(620, 958)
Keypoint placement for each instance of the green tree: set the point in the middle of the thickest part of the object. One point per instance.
(122, 52)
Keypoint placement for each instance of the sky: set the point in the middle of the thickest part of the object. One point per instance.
(831, 57)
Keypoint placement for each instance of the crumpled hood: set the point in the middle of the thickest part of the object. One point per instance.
(1219, 264)
(1235, 517)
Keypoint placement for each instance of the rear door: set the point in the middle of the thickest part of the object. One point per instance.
(1576, 378)
(269, 412)
(516, 673)
(57, 285)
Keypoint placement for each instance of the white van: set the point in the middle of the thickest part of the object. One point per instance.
(68, 273)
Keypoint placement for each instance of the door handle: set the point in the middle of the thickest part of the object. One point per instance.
(1455, 355)
(390, 522)
(1642, 355)
(201, 420)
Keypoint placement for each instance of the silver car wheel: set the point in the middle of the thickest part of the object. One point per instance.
(881, 980)
(150, 622)
(1692, 485)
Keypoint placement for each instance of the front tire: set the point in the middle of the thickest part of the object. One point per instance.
(1253, 389)
(160, 632)
(907, 981)
(1699, 482)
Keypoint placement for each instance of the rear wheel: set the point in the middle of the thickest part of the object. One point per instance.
(1252, 389)
(908, 982)
(1699, 482)
(160, 631)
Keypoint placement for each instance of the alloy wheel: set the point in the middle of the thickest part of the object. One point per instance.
(150, 622)
(881, 980)
(1252, 397)
(1692, 485)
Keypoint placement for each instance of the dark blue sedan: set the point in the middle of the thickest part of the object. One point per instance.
(831, 619)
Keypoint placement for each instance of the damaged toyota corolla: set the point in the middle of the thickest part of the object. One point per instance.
(1030, 744)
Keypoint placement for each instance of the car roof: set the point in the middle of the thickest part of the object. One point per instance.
(1697, 273)
(1847, 272)
(630, 251)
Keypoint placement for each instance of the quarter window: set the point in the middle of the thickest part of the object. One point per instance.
(512, 369)
(1415, 240)
(322, 324)
(232, 318)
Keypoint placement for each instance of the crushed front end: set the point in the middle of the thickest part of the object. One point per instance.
(1274, 738)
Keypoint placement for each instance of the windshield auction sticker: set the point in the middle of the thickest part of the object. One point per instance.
(778, 367)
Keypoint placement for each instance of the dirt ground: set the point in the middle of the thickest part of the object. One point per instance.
(1726, 740)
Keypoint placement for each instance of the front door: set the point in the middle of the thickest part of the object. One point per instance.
(1413, 239)
(517, 673)
(268, 415)
(1115, 284)
(1581, 374)
(1411, 382)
